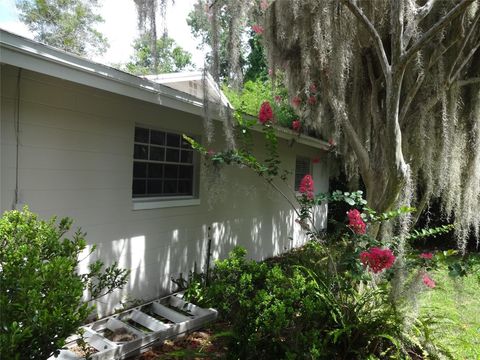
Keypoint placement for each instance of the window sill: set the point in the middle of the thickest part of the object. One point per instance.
(145, 204)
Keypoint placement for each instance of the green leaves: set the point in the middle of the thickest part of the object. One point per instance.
(41, 297)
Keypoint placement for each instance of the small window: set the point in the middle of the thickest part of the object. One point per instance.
(302, 168)
(163, 165)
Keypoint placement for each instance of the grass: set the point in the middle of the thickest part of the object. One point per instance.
(455, 305)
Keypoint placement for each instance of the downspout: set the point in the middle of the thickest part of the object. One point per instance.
(16, 117)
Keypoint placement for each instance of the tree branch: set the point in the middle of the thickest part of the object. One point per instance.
(421, 13)
(462, 47)
(443, 22)
(468, 81)
(377, 40)
(462, 65)
(374, 97)
(410, 96)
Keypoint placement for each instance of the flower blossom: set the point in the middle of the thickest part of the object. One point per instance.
(264, 5)
(296, 101)
(265, 114)
(426, 256)
(312, 100)
(258, 29)
(355, 222)
(313, 88)
(377, 259)
(427, 280)
(306, 186)
(331, 142)
(278, 99)
(296, 125)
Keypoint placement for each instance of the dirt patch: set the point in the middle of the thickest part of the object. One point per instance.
(207, 343)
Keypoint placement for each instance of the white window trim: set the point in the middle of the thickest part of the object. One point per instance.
(157, 203)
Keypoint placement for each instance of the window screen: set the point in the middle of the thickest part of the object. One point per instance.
(163, 164)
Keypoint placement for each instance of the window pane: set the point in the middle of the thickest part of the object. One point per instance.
(139, 187)
(139, 170)
(173, 155)
(154, 187)
(140, 151)
(170, 187)
(173, 140)
(157, 137)
(157, 153)
(185, 187)
(141, 135)
(186, 172)
(171, 171)
(186, 144)
(155, 171)
(187, 156)
(302, 168)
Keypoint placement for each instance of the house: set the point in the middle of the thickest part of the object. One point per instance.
(104, 147)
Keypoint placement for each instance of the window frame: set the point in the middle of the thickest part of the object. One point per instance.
(310, 171)
(162, 201)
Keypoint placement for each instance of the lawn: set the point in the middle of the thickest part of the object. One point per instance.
(455, 304)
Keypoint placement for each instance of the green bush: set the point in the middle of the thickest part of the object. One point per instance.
(41, 291)
(282, 309)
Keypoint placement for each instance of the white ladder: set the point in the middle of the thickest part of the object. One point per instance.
(155, 321)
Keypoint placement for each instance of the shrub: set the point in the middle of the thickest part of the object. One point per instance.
(41, 290)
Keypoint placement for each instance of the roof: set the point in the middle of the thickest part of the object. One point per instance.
(181, 91)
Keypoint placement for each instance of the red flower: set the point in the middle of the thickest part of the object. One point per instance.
(296, 125)
(306, 186)
(331, 142)
(312, 100)
(427, 280)
(355, 222)
(427, 256)
(265, 114)
(258, 29)
(270, 72)
(316, 160)
(278, 99)
(313, 88)
(377, 259)
(296, 101)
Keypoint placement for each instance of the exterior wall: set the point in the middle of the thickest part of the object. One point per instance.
(75, 159)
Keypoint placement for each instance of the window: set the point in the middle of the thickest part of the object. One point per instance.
(163, 165)
(302, 168)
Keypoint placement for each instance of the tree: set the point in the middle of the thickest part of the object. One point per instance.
(225, 26)
(65, 24)
(399, 90)
(171, 58)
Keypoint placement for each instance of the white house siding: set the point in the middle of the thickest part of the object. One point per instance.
(75, 159)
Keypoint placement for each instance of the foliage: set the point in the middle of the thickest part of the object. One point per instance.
(170, 57)
(66, 24)
(454, 304)
(255, 92)
(41, 298)
(320, 301)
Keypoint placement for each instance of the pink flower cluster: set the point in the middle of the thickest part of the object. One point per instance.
(427, 280)
(296, 101)
(426, 256)
(306, 186)
(258, 29)
(296, 125)
(265, 114)
(377, 259)
(355, 222)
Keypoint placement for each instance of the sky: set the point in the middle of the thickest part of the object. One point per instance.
(120, 27)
